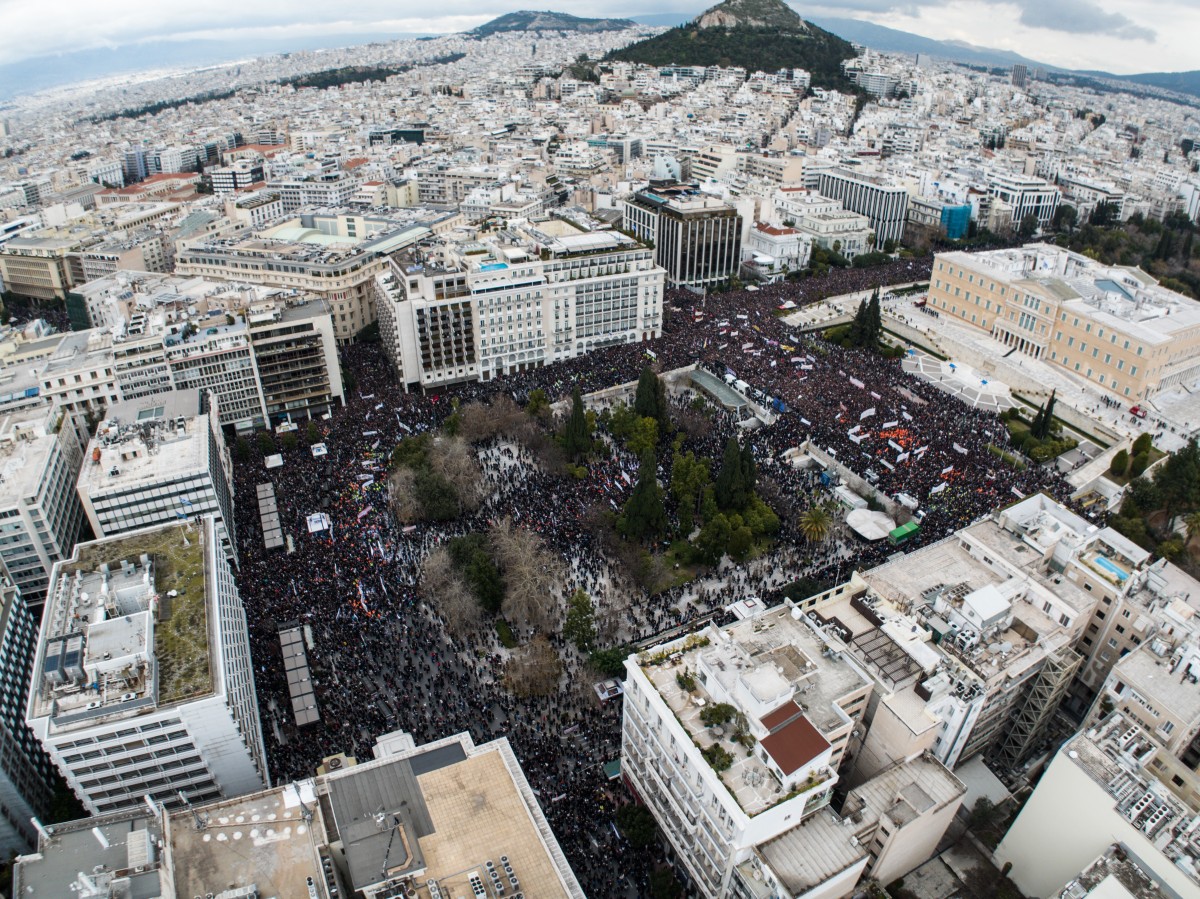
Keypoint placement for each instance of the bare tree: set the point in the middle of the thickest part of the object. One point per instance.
(476, 423)
(533, 577)
(449, 593)
(402, 495)
(533, 669)
(455, 461)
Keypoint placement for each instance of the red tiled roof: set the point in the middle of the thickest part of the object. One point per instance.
(795, 745)
(774, 720)
(354, 163)
(771, 229)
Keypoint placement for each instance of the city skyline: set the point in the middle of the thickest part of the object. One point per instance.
(1118, 36)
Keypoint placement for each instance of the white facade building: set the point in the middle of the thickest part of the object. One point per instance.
(143, 684)
(40, 513)
(155, 461)
(476, 311)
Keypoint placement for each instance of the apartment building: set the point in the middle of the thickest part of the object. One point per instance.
(445, 184)
(733, 737)
(295, 356)
(885, 205)
(1108, 784)
(156, 461)
(40, 513)
(550, 290)
(265, 356)
(1112, 325)
(143, 252)
(970, 640)
(143, 684)
(697, 237)
(1156, 687)
(318, 836)
(26, 774)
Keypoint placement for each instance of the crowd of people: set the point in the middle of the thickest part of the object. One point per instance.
(382, 656)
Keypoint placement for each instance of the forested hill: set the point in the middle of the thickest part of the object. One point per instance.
(758, 35)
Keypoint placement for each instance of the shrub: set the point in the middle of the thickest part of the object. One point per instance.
(718, 757)
(1140, 461)
(1120, 463)
(1142, 444)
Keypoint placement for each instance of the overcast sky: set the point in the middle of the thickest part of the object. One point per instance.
(1121, 36)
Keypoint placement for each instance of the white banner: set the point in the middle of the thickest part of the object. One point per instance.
(805, 421)
(889, 424)
(886, 464)
(867, 414)
(948, 469)
(907, 417)
(961, 449)
(903, 457)
(855, 429)
(857, 383)
(894, 445)
(876, 395)
(923, 448)
(938, 489)
(857, 438)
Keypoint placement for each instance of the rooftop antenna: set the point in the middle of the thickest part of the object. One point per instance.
(305, 812)
(201, 823)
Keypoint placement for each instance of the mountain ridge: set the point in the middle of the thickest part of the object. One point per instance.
(547, 20)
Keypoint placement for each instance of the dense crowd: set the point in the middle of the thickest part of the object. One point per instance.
(382, 655)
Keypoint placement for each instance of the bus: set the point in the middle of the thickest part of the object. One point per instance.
(904, 533)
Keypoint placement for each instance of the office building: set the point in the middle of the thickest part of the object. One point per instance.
(26, 774)
(697, 237)
(553, 289)
(1112, 325)
(327, 190)
(331, 256)
(155, 461)
(734, 738)
(1020, 75)
(43, 268)
(399, 825)
(142, 682)
(39, 508)
(884, 205)
(1024, 195)
(1109, 784)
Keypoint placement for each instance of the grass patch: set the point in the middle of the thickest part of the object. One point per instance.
(1006, 456)
(181, 632)
(507, 638)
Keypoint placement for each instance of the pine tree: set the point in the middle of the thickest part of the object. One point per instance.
(645, 401)
(575, 436)
(729, 484)
(644, 515)
(1046, 425)
(1036, 427)
(874, 322)
(858, 327)
(749, 475)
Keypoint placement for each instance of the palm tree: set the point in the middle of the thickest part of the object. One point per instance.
(1192, 523)
(815, 524)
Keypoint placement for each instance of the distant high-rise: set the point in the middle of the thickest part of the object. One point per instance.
(1020, 75)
